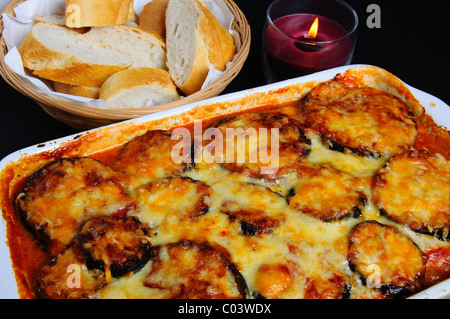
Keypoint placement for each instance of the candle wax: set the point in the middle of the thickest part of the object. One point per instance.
(289, 57)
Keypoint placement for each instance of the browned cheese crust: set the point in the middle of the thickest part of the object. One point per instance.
(56, 279)
(246, 127)
(414, 189)
(363, 119)
(387, 260)
(61, 196)
(256, 208)
(285, 278)
(103, 247)
(173, 199)
(114, 245)
(189, 270)
(149, 157)
(327, 194)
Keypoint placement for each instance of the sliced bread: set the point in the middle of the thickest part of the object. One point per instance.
(59, 54)
(194, 39)
(134, 87)
(93, 13)
(146, 48)
(153, 17)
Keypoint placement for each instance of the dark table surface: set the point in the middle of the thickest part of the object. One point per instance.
(413, 43)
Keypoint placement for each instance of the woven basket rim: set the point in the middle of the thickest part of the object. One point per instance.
(240, 25)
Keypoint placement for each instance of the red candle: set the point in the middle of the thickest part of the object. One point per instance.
(298, 50)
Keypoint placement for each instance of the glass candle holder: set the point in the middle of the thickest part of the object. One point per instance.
(306, 36)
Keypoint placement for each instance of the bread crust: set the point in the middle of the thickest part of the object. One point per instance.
(64, 67)
(130, 79)
(153, 17)
(220, 43)
(78, 90)
(89, 13)
(213, 45)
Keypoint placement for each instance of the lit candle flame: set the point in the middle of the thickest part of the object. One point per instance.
(312, 34)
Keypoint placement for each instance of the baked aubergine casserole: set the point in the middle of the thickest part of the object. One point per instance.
(334, 185)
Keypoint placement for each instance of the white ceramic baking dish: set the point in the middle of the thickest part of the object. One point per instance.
(282, 91)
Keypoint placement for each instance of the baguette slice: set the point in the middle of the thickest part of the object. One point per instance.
(146, 48)
(62, 55)
(153, 17)
(78, 90)
(134, 87)
(194, 39)
(94, 13)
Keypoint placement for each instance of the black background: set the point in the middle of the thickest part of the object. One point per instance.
(413, 43)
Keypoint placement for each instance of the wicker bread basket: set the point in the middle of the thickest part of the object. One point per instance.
(85, 117)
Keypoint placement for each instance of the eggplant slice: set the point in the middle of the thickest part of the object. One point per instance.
(364, 120)
(66, 277)
(115, 245)
(62, 195)
(178, 198)
(194, 270)
(327, 194)
(256, 208)
(414, 189)
(252, 136)
(149, 157)
(387, 260)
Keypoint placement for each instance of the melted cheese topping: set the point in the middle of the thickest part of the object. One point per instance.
(64, 194)
(149, 157)
(424, 203)
(364, 119)
(300, 257)
(279, 251)
(347, 162)
(313, 261)
(327, 194)
(68, 277)
(260, 145)
(185, 270)
(172, 200)
(389, 257)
